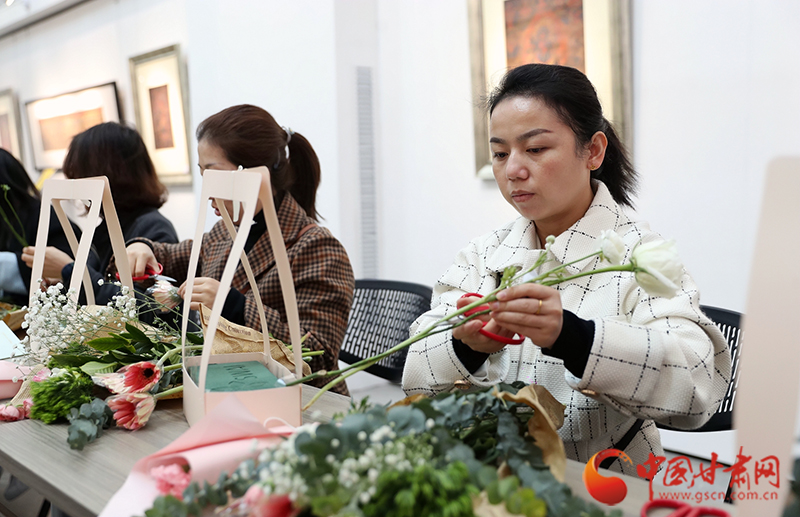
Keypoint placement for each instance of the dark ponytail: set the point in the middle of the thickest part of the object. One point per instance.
(303, 174)
(570, 93)
(250, 137)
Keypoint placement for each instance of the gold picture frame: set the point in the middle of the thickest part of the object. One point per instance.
(10, 126)
(160, 101)
(607, 57)
(53, 121)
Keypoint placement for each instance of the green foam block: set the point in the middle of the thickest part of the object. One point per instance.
(244, 376)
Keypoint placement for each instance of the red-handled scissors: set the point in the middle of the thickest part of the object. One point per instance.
(149, 273)
(683, 509)
(490, 335)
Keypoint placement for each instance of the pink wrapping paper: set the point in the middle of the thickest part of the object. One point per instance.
(207, 447)
(8, 372)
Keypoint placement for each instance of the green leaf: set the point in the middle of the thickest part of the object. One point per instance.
(194, 338)
(108, 344)
(95, 368)
(137, 334)
(65, 360)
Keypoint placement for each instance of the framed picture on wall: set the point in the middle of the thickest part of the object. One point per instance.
(53, 121)
(10, 128)
(590, 35)
(159, 100)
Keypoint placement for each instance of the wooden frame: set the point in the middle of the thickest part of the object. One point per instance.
(607, 54)
(158, 82)
(10, 126)
(53, 121)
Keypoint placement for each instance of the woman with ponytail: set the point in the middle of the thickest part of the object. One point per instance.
(617, 358)
(248, 136)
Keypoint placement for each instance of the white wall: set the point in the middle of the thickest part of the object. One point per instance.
(279, 56)
(89, 45)
(716, 97)
(431, 202)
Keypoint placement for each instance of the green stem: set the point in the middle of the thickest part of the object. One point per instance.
(173, 367)
(492, 296)
(313, 353)
(174, 351)
(171, 391)
(624, 267)
(24, 240)
(17, 236)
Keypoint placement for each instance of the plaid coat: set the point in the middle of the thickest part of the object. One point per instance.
(321, 271)
(652, 358)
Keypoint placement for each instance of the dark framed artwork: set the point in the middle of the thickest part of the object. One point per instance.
(590, 35)
(159, 100)
(10, 127)
(53, 121)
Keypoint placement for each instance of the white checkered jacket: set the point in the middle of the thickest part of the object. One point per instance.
(652, 358)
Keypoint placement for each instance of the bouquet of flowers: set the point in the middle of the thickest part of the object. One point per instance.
(484, 453)
(84, 346)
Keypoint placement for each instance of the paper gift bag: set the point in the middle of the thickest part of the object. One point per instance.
(202, 391)
(97, 192)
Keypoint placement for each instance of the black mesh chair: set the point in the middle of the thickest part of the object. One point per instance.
(729, 323)
(379, 319)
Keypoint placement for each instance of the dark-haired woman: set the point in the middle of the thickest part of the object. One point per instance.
(248, 136)
(23, 199)
(617, 358)
(119, 153)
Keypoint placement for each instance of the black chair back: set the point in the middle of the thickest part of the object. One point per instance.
(379, 319)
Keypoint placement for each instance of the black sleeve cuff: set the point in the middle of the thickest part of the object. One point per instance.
(471, 359)
(233, 310)
(574, 344)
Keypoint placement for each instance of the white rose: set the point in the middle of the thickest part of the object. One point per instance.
(612, 248)
(659, 268)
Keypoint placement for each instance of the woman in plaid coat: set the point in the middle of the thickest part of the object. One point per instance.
(248, 136)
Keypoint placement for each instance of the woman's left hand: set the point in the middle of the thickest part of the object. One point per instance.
(204, 291)
(54, 260)
(530, 310)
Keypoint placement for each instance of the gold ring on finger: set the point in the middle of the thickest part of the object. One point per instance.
(539, 310)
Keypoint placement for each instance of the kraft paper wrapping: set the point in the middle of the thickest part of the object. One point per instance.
(231, 338)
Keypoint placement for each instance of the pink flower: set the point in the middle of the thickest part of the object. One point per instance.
(171, 479)
(41, 375)
(134, 378)
(165, 294)
(261, 505)
(132, 410)
(9, 413)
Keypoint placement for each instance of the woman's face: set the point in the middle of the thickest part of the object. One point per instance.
(537, 166)
(213, 157)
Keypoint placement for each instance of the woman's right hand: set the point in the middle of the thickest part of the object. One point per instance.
(469, 332)
(140, 255)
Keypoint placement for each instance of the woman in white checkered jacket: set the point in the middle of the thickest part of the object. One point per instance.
(616, 357)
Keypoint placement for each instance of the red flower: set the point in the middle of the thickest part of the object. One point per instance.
(132, 410)
(261, 505)
(134, 378)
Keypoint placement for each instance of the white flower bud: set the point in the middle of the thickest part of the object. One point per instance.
(659, 268)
